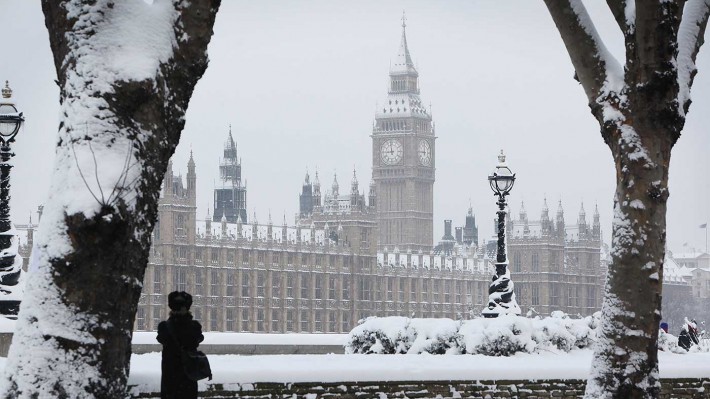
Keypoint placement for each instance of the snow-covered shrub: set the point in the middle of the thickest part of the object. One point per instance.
(384, 335)
(436, 336)
(502, 336)
(561, 332)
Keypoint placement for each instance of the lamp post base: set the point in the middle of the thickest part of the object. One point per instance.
(501, 297)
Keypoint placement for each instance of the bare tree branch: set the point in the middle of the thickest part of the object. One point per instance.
(593, 64)
(691, 36)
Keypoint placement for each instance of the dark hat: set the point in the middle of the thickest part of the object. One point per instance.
(178, 300)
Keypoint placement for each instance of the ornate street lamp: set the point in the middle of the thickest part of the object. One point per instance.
(10, 264)
(501, 298)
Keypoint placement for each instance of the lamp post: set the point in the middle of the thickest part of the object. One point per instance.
(10, 264)
(501, 299)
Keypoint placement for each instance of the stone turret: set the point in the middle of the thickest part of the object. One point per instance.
(596, 226)
(191, 180)
(582, 222)
(316, 192)
(545, 224)
(354, 190)
(560, 221)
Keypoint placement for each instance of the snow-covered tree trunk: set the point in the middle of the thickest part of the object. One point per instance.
(126, 70)
(641, 111)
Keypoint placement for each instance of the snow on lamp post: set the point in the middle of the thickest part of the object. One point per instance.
(10, 264)
(501, 298)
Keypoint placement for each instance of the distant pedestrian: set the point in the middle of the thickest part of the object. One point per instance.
(688, 335)
(664, 327)
(179, 328)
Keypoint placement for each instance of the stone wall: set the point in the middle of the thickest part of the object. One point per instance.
(672, 388)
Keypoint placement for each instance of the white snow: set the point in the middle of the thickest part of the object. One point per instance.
(630, 14)
(693, 12)
(231, 369)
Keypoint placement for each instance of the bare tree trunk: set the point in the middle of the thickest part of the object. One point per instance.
(73, 338)
(641, 112)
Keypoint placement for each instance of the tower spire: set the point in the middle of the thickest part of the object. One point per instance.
(403, 61)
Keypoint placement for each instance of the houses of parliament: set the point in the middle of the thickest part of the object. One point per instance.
(357, 250)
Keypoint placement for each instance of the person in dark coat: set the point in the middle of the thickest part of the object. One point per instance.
(688, 335)
(174, 384)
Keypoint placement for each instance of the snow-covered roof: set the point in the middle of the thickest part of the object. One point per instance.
(400, 105)
(468, 262)
(673, 273)
(689, 255)
(260, 232)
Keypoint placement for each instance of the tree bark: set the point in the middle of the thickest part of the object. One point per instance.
(75, 326)
(640, 120)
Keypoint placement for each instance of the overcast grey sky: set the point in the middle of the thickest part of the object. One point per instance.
(299, 82)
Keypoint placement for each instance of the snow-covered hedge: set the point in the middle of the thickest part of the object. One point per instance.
(502, 336)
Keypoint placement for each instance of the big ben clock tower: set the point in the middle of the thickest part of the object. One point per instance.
(403, 155)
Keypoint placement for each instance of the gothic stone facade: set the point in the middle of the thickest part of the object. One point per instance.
(556, 266)
(270, 278)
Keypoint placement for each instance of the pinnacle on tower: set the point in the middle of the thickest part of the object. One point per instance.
(582, 215)
(545, 214)
(403, 61)
(191, 161)
(335, 185)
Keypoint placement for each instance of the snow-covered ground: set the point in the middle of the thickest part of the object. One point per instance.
(145, 369)
(230, 369)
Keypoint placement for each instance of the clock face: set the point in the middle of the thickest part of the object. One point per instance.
(391, 152)
(424, 153)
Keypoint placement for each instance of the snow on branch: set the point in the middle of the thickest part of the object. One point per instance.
(596, 68)
(690, 38)
(624, 12)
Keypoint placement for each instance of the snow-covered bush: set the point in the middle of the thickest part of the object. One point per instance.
(386, 335)
(561, 332)
(502, 336)
(436, 336)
